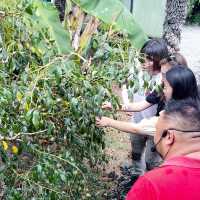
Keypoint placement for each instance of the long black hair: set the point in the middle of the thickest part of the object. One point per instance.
(155, 50)
(183, 83)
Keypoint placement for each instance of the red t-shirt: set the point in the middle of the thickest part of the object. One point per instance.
(177, 179)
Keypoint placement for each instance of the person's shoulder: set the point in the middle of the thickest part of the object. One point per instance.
(142, 189)
(163, 174)
(156, 172)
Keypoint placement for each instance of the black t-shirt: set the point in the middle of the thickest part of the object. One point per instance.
(155, 98)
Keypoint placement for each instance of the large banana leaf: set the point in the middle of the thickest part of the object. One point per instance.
(48, 17)
(150, 15)
(115, 13)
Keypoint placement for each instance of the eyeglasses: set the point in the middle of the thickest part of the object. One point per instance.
(164, 133)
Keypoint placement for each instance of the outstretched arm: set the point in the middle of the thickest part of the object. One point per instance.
(130, 107)
(145, 127)
(136, 106)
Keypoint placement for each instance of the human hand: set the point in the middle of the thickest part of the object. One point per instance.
(107, 105)
(103, 121)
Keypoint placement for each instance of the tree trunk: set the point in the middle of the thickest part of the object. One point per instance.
(176, 11)
(60, 5)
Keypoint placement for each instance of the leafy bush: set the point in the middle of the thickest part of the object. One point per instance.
(49, 97)
(194, 12)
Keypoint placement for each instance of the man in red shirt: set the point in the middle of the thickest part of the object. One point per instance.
(177, 139)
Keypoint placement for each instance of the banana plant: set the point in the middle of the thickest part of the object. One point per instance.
(115, 13)
(47, 16)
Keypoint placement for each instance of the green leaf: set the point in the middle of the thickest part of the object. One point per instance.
(87, 84)
(48, 17)
(113, 12)
(3, 155)
(74, 102)
(28, 115)
(150, 15)
(36, 118)
(39, 169)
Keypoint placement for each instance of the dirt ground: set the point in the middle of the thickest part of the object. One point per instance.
(118, 148)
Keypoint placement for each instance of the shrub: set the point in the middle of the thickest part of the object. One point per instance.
(49, 97)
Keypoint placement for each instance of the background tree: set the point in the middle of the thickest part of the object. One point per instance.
(176, 12)
(60, 5)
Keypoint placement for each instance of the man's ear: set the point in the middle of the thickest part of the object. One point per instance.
(170, 137)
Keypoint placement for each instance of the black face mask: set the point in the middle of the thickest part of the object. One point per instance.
(164, 134)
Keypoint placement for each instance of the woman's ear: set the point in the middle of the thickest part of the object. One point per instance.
(170, 137)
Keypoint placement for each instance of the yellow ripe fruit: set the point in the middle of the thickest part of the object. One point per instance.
(66, 103)
(14, 149)
(27, 107)
(5, 145)
(19, 96)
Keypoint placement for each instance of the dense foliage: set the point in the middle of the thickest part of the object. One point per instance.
(194, 12)
(50, 95)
